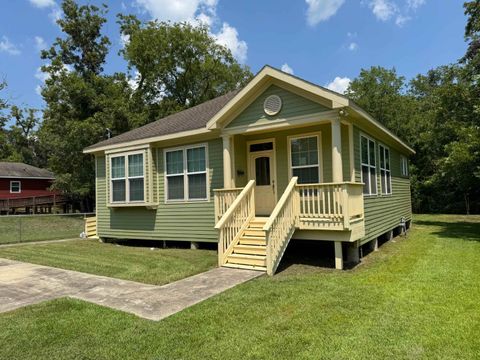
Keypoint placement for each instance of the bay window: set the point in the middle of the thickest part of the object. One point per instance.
(305, 158)
(369, 170)
(385, 174)
(186, 173)
(127, 178)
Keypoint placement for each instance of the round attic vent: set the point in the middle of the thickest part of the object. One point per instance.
(272, 105)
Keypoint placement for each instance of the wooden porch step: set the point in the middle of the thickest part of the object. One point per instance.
(242, 259)
(250, 249)
(252, 240)
(253, 232)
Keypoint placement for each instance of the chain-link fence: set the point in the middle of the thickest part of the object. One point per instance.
(25, 228)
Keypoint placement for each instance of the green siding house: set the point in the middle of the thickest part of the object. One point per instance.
(279, 160)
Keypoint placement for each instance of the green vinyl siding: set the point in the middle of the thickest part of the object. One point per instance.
(384, 212)
(186, 221)
(292, 105)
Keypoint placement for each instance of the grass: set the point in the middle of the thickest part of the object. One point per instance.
(416, 298)
(124, 262)
(15, 229)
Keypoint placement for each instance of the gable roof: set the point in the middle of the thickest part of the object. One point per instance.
(193, 118)
(21, 170)
(216, 113)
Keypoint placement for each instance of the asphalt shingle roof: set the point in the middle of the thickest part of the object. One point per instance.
(190, 119)
(21, 170)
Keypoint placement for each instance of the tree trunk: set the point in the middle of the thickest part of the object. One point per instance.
(467, 203)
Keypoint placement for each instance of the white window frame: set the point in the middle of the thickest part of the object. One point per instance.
(185, 174)
(383, 148)
(362, 164)
(404, 165)
(19, 187)
(319, 165)
(127, 178)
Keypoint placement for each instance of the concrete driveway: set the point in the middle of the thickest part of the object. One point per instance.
(23, 284)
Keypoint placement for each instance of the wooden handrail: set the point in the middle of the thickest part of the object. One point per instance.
(281, 203)
(227, 190)
(235, 204)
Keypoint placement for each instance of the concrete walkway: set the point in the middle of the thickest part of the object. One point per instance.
(23, 284)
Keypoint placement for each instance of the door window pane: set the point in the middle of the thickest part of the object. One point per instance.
(262, 170)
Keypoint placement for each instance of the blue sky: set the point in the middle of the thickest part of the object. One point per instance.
(324, 41)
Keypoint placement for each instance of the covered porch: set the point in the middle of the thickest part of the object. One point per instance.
(299, 179)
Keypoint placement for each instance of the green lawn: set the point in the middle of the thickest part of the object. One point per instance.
(159, 266)
(15, 229)
(416, 298)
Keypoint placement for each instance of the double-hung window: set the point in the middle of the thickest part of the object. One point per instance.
(369, 171)
(404, 165)
(186, 173)
(15, 187)
(127, 178)
(305, 159)
(385, 174)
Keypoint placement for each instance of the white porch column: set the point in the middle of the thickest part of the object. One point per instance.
(337, 171)
(338, 255)
(227, 162)
(351, 154)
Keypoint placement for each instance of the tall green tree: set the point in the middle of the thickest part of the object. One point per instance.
(81, 102)
(177, 65)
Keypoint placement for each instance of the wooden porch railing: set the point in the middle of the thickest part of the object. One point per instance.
(281, 225)
(32, 201)
(224, 198)
(235, 220)
(330, 205)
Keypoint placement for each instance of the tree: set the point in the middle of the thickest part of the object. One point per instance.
(81, 102)
(178, 66)
(472, 34)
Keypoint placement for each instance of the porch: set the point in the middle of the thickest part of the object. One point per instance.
(299, 182)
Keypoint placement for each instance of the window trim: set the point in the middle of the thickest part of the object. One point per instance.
(369, 138)
(185, 174)
(127, 200)
(404, 166)
(384, 147)
(317, 134)
(19, 187)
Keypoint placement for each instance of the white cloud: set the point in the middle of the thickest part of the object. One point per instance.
(415, 4)
(43, 3)
(401, 20)
(339, 84)
(383, 9)
(228, 36)
(8, 47)
(198, 12)
(40, 75)
(286, 68)
(124, 40)
(321, 10)
(353, 46)
(38, 90)
(40, 43)
(55, 14)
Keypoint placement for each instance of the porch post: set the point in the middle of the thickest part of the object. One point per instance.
(227, 162)
(337, 171)
(351, 154)
(338, 255)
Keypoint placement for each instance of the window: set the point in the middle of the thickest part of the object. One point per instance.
(404, 165)
(15, 187)
(305, 159)
(127, 178)
(186, 173)
(369, 175)
(385, 175)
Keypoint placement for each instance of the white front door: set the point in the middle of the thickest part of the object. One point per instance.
(262, 170)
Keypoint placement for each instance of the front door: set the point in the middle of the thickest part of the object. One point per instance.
(262, 170)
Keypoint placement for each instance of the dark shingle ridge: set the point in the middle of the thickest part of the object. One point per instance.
(193, 118)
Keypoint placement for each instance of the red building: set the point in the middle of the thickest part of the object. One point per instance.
(26, 186)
